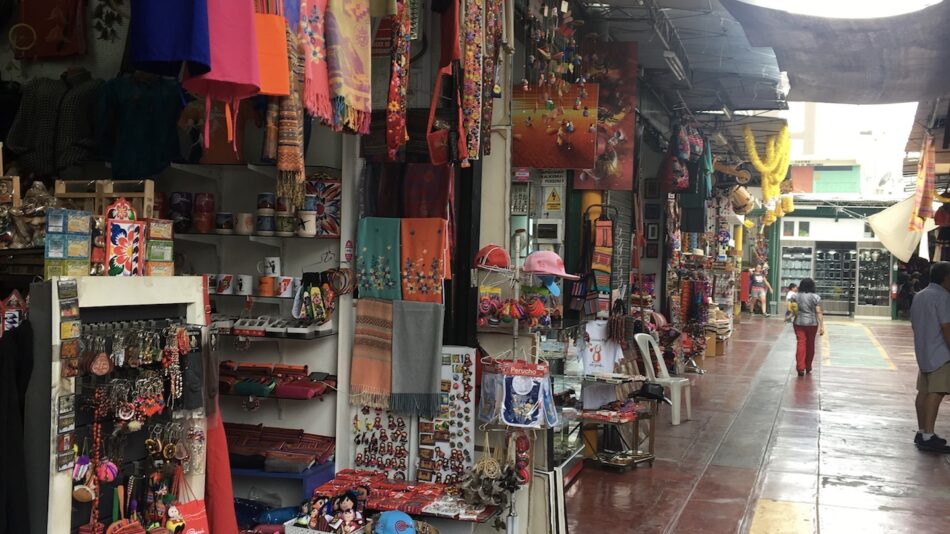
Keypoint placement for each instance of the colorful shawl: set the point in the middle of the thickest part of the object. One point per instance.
(923, 197)
(472, 89)
(427, 191)
(424, 254)
(316, 87)
(396, 134)
(348, 63)
(416, 358)
(378, 260)
(371, 366)
(290, 157)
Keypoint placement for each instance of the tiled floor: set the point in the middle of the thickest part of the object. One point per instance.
(768, 452)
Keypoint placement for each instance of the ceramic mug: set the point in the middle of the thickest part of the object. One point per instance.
(266, 285)
(225, 284)
(285, 286)
(286, 223)
(310, 203)
(265, 225)
(269, 266)
(204, 202)
(244, 284)
(212, 283)
(244, 223)
(224, 222)
(283, 204)
(306, 223)
(203, 223)
(266, 201)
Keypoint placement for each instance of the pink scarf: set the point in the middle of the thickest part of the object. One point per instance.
(316, 92)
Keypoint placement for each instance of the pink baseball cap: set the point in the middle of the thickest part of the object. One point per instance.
(546, 262)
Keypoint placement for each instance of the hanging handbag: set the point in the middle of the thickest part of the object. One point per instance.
(271, 31)
(440, 140)
(193, 512)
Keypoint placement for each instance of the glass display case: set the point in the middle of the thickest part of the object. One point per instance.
(565, 442)
(796, 264)
(874, 282)
(835, 274)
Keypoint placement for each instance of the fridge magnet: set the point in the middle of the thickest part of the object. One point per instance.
(69, 349)
(70, 329)
(69, 309)
(69, 368)
(66, 403)
(65, 423)
(66, 288)
(65, 460)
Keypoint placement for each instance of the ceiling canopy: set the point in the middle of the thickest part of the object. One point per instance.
(903, 58)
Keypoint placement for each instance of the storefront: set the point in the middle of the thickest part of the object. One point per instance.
(360, 270)
(853, 272)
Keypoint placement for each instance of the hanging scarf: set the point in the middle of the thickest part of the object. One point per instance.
(416, 361)
(316, 87)
(926, 183)
(377, 264)
(348, 63)
(371, 365)
(290, 157)
(472, 89)
(396, 134)
(271, 120)
(424, 252)
(494, 20)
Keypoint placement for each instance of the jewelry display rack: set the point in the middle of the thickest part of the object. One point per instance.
(101, 299)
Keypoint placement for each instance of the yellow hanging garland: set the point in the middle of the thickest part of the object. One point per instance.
(773, 169)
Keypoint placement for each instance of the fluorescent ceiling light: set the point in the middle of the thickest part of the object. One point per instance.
(846, 9)
(727, 112)
(676, 66)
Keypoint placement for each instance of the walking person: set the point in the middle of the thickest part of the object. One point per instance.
(930, 319)
(809, 321)
(760, 287)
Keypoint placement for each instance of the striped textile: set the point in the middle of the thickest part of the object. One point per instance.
(371, 366)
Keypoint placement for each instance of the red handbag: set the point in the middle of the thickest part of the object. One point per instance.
(438, 140)
(193, 512)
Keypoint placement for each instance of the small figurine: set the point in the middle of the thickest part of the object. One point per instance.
(175, 522)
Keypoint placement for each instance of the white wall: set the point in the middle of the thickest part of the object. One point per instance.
(822, 229)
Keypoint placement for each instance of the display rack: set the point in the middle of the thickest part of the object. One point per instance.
(836, 266)
(100, 299)
(873, 295)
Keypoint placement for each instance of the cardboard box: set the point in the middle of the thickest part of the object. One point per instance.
(60, 221)
(69, 268)
(158, 250)
(159, 268)
(711, 346)
(721, 347)
(160, 229)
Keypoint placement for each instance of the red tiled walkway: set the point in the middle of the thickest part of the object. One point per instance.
(768, 452)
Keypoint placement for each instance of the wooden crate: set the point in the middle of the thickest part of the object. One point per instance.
(10, 193)
(94, 195)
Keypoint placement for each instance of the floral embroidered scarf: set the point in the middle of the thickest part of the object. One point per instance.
(377, 263)
(424, 254)
(316, 89)
(396, 134)
(348, 63)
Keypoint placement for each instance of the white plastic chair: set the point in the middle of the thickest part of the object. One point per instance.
(648, 347)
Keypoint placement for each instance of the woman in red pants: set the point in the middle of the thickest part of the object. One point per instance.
(808, 322)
